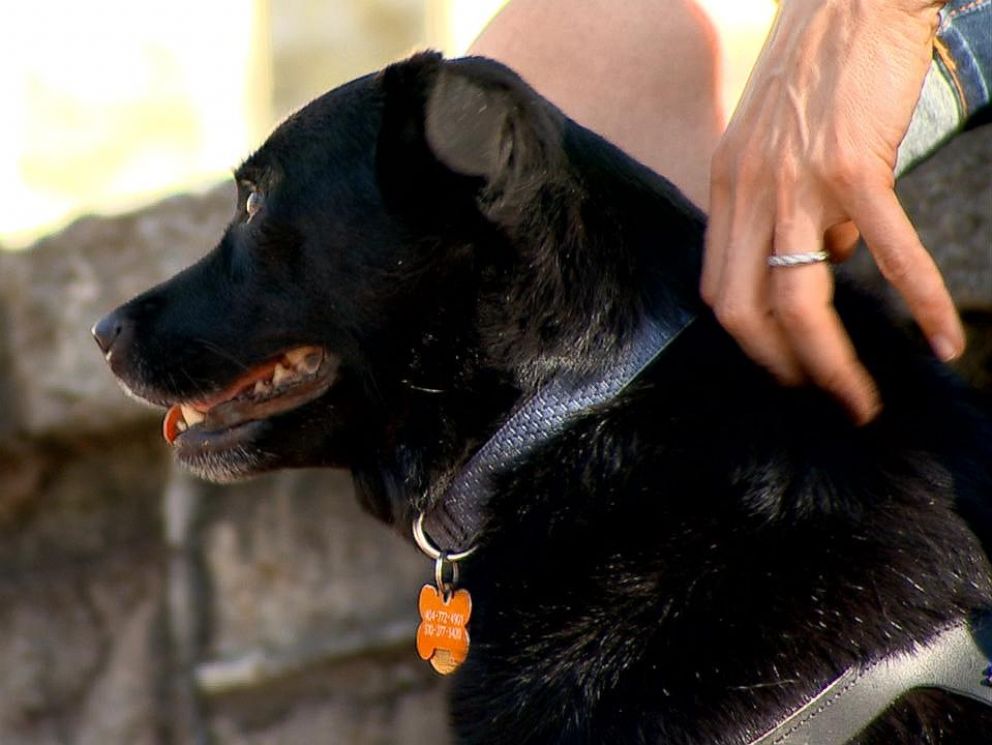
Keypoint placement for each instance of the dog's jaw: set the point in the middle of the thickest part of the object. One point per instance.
(265, 390)
(236, 463)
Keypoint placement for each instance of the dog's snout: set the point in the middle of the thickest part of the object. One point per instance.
(108, 330)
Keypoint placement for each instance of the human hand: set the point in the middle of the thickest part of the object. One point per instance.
(807, 163)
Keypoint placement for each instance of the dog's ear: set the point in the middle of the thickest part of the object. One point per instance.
(469, 123)
(470, 118)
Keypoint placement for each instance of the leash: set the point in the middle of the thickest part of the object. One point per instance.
(957, 660)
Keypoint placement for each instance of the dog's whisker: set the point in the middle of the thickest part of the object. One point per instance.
(221, 352)
(199, 391)
(421, 388)
(773, 684)
(174, 382)
(374, 390)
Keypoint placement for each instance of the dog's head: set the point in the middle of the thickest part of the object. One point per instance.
(398, 267)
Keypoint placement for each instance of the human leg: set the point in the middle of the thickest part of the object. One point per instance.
(642, 73)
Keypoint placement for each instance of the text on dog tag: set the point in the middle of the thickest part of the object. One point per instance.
(442, 637)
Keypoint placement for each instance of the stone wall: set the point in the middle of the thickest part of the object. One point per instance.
(140, 606)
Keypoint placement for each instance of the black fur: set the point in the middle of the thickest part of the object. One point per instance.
(682, 565)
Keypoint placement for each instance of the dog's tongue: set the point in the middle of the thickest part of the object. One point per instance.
(170, 424)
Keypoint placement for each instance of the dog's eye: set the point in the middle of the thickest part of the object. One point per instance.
(253, 204)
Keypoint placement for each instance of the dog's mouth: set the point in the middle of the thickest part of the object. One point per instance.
(281, 384)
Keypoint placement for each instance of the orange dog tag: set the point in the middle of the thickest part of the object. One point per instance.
(442, 638)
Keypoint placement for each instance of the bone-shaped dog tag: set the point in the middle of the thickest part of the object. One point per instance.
(442, 638)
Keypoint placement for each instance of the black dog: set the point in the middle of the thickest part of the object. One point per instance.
(413, 255)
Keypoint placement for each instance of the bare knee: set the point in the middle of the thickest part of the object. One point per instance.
(642, 73)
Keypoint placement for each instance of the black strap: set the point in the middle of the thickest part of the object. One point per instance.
(955, 660)
(454, 523)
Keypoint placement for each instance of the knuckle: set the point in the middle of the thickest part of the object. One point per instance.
(844, 172)
(708, 293)
(792, 309)
(733, 316)
(722, 167)
(721, 180)
(932, 306)
(839, 379)
(721, 160)
(785, 231)
(894, 265)
(790, 376)
(786, 171)
(750, 167)
(925, 297)
(851, 173)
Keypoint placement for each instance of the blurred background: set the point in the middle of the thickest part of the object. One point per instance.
(137, 605)
(112, 103)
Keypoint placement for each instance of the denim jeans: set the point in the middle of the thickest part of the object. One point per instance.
(958, 82)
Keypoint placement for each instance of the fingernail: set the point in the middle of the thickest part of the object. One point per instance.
(869, 414)
(944, 348)
(869, 408)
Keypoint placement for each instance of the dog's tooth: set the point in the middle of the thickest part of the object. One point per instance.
(191, 415)
(279, 374)
(181, 426)
(262, 387)
(295, 356)
(309, 364)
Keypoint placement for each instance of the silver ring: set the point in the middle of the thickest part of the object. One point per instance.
(445, 587)
(810, 257)
(432, 551)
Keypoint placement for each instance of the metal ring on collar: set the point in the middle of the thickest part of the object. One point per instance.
(439, 581)
(802, 259)
(432, 551)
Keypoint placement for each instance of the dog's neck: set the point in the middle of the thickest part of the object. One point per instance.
(455, 516)
(568, 303)
(597, 250)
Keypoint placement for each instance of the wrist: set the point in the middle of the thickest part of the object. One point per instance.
(917, 20)
(914, 6)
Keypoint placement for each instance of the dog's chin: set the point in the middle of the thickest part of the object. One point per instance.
(233, 454)
(308, 436)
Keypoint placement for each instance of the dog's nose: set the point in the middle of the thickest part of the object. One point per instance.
(107, 330)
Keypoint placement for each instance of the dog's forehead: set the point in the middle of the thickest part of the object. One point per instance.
(343, 119)
(255, 171)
